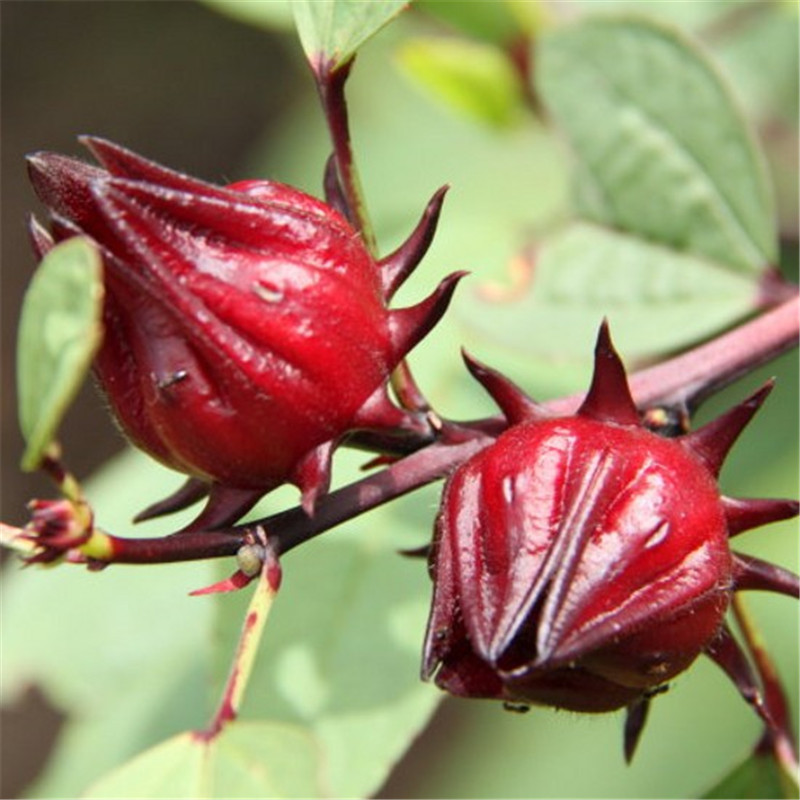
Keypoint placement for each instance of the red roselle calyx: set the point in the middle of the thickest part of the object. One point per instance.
(582, 562)
(246, 327)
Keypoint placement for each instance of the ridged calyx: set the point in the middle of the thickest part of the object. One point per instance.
(246, 327)
(582, 562)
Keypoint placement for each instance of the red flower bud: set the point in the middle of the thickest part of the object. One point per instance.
(57, 530)
(246, 327)
(581, 562)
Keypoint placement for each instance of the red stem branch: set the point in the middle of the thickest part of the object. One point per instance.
(168, 549)
(694, 376)
(683, 379)
(779, 737)
(330, 85)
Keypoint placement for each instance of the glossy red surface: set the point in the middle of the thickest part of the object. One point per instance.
(245, 326)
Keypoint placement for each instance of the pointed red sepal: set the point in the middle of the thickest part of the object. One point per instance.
(408, 326)
(743, 514)
(189, 493)
(383, 460)
(713, 441)
(635, 719)
(609, 398)
(225, 506)
(397, 266)
(512, 401)
(423, 551)
(41, 240)
(236, 581)
(62, 228)
(729, 656)
(753, 573)
(62, 184)
(378, 412)
(313, 475)
(124, 163)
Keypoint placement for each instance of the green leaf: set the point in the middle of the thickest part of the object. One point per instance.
(331, 31)
(758, 777)
(498, 21)
(662, 148)
(473, 78)
(256, 759)
(267, 14)
(655, 299)
(59, 333)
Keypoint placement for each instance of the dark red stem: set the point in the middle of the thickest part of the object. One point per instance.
(293, 527)
(330, 85)
(167, 549)
(680, 380)
(692, 377)
(689, 378)
(779, 737)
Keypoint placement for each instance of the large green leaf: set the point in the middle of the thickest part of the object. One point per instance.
(59, 333)
(255, 759)
(656, 299)
(331, 31)
(662, 148)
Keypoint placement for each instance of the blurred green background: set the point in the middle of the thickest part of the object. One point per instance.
(215, 97)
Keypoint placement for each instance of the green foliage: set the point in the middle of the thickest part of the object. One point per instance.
(655, 298)
(338, 668)
(59, 333)
(332, 31)
(341, 660)
(756, 777)
(251, 759)
(473, 78)
(497, 21)
(669, 173)
(126, 652)
(663, 151)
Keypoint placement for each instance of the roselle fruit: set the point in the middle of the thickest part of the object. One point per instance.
(582, 562)
(246, 327)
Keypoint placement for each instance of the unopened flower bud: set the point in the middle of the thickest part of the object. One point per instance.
(246, 327)
(582, 562)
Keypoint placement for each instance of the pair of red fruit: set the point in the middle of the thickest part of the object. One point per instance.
(579, 562)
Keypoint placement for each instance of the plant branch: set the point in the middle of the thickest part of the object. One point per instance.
(169, 549)
(693, 376)
(330, 85)
(778, 737)
(293, 527)
(685, 379)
